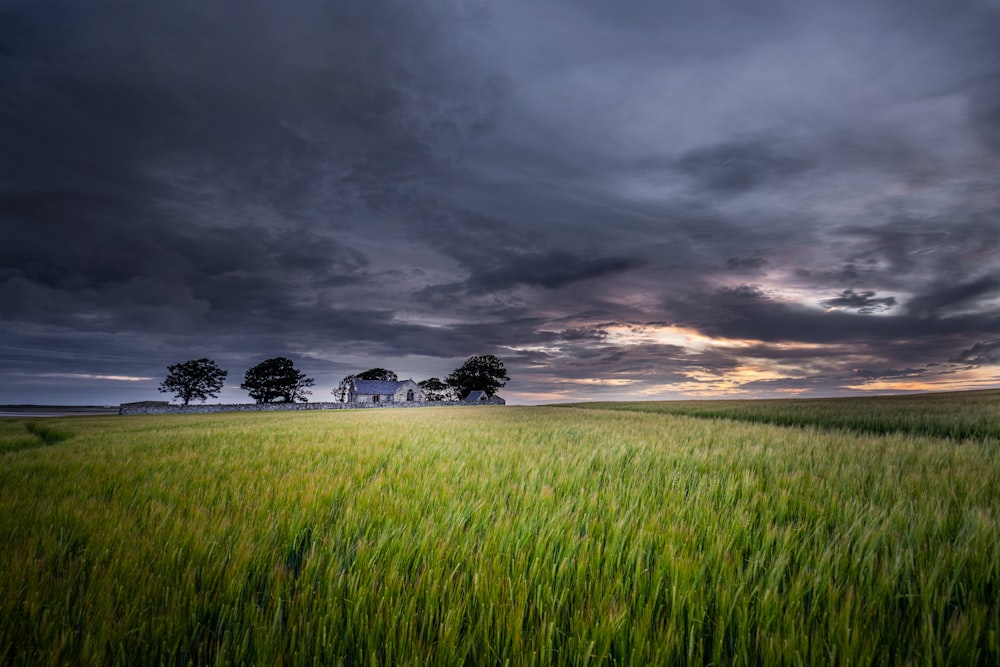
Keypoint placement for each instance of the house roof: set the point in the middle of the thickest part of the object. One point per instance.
(376, 386)
(476, 395)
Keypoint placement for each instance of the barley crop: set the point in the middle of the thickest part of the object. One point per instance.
(482, 536)
(956, 415)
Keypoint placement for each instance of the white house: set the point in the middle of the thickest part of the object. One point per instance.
(385, 391)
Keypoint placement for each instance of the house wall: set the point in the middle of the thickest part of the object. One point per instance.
(370, 398)
(418, 394)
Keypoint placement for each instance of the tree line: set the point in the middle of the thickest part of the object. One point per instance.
(278, 380)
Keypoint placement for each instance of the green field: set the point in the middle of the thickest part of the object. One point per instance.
(958, 415)
(457, 536)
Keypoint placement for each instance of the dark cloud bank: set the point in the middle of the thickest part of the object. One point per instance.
(628, 199)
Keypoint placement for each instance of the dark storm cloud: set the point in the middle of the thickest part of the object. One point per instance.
(911, 251)
(740, 315)
(736, 167)
(982, 353)
(863, 302)
(192, 162)
(559, 183)
(948, 299)
(745, 264)
(984, 108)
(550, 270)
(111, 96)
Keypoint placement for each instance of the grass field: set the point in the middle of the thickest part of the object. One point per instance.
(472, 536)
(957, 415)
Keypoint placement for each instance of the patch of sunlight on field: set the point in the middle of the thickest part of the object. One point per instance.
(485, 535)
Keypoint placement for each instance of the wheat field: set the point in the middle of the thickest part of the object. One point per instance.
(483, 536)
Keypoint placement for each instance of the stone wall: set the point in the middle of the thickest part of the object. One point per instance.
(158, 408)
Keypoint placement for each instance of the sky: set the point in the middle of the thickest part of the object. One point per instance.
(621, 199)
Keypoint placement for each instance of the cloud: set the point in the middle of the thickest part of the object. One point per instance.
(156, 101)
(745, 264)
(736, 167)
(89, 376)
(981, 354)
(950, 299)
(984, 110)
(888, 373)
(863, 302)
(550, 270)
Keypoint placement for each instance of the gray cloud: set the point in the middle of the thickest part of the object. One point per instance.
(862, 302)
(550, 270)
(745, 264)
(736, 167)
(883, 373)
(982, 353)
(984, 108)
(948, 299)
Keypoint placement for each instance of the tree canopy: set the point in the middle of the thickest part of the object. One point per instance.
(195, 379)
(274, 379)
(377, 374)
(485, 372)
(436, 390)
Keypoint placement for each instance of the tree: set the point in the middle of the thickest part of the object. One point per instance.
(435, 390)
(377, 374)
(340, 393)
(274, 379)
(484, 372)
(198, 378)
(371, 374)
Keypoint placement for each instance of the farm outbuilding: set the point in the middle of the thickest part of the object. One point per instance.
(480, 396)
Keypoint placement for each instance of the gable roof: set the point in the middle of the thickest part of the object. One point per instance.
(376, 386)
(476, 395)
